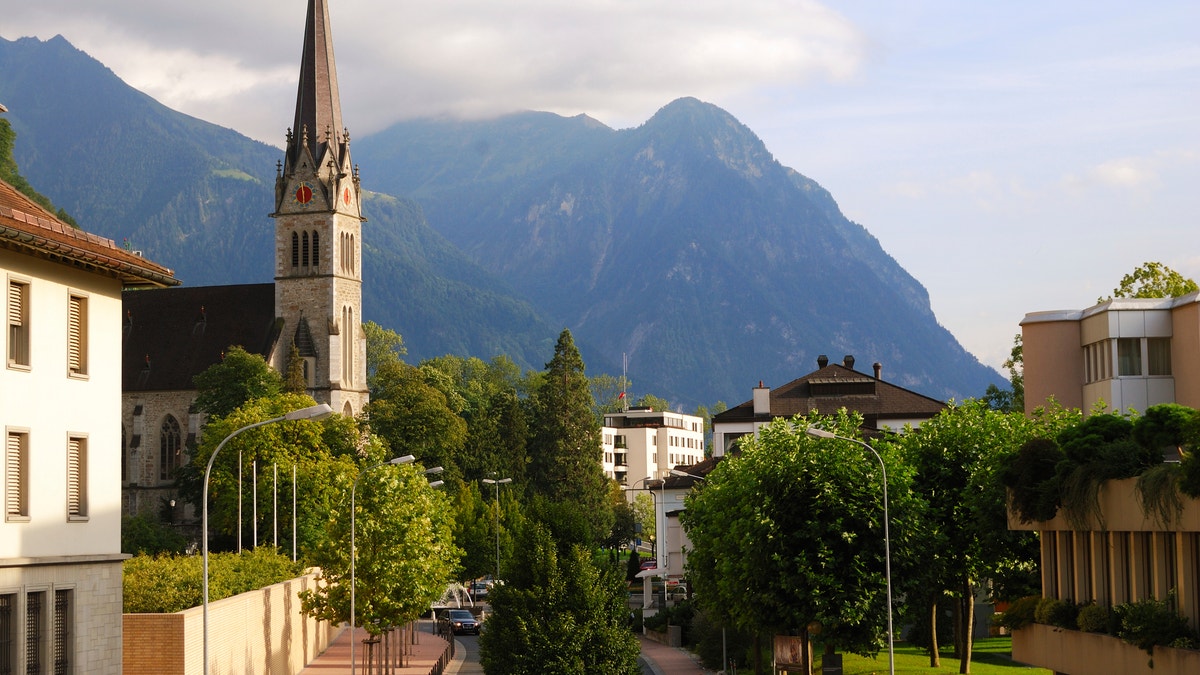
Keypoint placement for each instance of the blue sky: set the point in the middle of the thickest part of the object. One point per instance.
(1013, 157)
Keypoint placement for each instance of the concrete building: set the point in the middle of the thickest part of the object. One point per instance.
(314, 304)
(645, 443)
(60, 394)
(1124, 354)
(826, 390)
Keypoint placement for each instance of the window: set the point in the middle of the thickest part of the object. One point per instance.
(16, 480)
(77, 343)
(62, 632)
(170, 448)
(77, 478)
(316, 251)
(8, 629)
(33, 631)
(304, 250)
(1129, 356)
(295, 250)
(18, 323)
(1158, 351)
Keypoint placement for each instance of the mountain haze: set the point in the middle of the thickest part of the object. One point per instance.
(682, 243)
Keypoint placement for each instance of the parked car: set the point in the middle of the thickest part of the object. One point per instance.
(479, 589)
(461, 621)
(649, 565)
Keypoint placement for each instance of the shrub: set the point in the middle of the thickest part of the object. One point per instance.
(1147, 623)
(144, 535)
(174, 583)
(1093, 618)
(1060, 613)
(1030, 477)
(1020, 613)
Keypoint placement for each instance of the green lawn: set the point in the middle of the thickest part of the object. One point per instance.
(991, 657)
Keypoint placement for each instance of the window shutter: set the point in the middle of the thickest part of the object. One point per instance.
(15, 302)
(75, 335)
(75, 477)
(12, 475)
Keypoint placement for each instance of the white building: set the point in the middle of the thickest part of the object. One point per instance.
(645, 443)
(60, 405)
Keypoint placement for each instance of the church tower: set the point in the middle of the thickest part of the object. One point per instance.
(318, 235)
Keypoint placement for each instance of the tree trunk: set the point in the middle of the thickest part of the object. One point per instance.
(956, 621)
(758, 653)
(935, 659)
(968, 602)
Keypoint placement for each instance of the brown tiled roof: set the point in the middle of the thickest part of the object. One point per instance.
(173, 334)
(28, 228)
(834, 387)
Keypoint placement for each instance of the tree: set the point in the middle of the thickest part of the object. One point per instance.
(565, 449)
(405, 549)
(239, 377)
(789, 532)
(1153, 280)
(1012, 399)
(558, 614)
(414, 418)
(294, 381)
(384, 346)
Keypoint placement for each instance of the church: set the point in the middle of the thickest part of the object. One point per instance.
(315, 303)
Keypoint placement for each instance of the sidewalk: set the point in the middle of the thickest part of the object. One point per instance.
(336, 659)
(664, 660)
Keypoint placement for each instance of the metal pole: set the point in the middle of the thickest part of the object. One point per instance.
(293, 513)
(887, 539)
(239, 500)
(275, 505)
(254, 499)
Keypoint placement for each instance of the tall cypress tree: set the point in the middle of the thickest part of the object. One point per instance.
(565, 450)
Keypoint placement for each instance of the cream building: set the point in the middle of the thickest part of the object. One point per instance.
(1127, 354)
(644, 443)
(60, 400)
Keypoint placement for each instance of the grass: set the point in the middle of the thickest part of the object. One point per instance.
(991, 656)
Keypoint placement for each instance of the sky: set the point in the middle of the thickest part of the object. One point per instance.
(1013, 157)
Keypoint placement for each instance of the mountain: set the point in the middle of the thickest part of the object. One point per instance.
(681, 243)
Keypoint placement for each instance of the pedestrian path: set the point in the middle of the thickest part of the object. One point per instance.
(335, 660)
(665, 660)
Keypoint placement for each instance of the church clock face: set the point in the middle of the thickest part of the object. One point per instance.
(347, 196)
(303, 194)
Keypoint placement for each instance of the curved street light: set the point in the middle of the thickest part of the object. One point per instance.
(406, 459)
(496, 519)
(315, 412)
(887, 543)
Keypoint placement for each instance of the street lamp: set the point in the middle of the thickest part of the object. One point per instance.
(496, 519)
(685, 474)
(315, 412)
(406, 459)
(887, 543)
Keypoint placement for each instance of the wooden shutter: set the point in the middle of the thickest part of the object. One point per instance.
(12, 476)
(75, 334)
(16, 297)
(75, 477)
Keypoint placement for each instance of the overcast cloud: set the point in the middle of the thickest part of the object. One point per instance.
(1013, 157)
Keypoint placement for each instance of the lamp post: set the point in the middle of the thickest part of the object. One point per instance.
(406, 459)
(496, 518)
(887, 542)
(315, 412)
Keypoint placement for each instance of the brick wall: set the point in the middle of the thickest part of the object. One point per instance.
(261, 631)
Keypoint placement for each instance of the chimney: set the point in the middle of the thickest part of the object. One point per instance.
(822, 361)
(762, 400)
(878, 369)
(848, 361)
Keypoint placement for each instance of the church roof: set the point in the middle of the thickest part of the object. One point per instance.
(28, 228)
(318, 106)
(834, 386)
(172, 335)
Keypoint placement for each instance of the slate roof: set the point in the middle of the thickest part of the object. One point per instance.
(171, 335)
(26, 227)
(833, 387)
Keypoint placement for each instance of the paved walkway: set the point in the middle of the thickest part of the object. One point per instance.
(656, 657)
(336, 659)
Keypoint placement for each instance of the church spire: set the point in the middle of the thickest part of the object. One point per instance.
(318, 107)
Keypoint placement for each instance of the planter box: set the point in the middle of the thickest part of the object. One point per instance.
(1074, 652)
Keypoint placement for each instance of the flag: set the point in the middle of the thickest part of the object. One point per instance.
(620, 396)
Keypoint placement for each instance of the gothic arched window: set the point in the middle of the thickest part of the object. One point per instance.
(170, 448)
(316, 250)
(295, 250)
(304, 251)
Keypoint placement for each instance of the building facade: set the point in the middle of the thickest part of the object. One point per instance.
(644, 443)
(60, 394)
(1120, 355)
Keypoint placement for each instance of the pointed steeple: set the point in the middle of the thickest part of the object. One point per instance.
(318, 107)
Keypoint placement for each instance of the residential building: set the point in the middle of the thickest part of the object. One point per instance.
(60, 397)
(830, 388)
(645, 443)
(1120, 355)
(314, 304)
(1124, 554)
